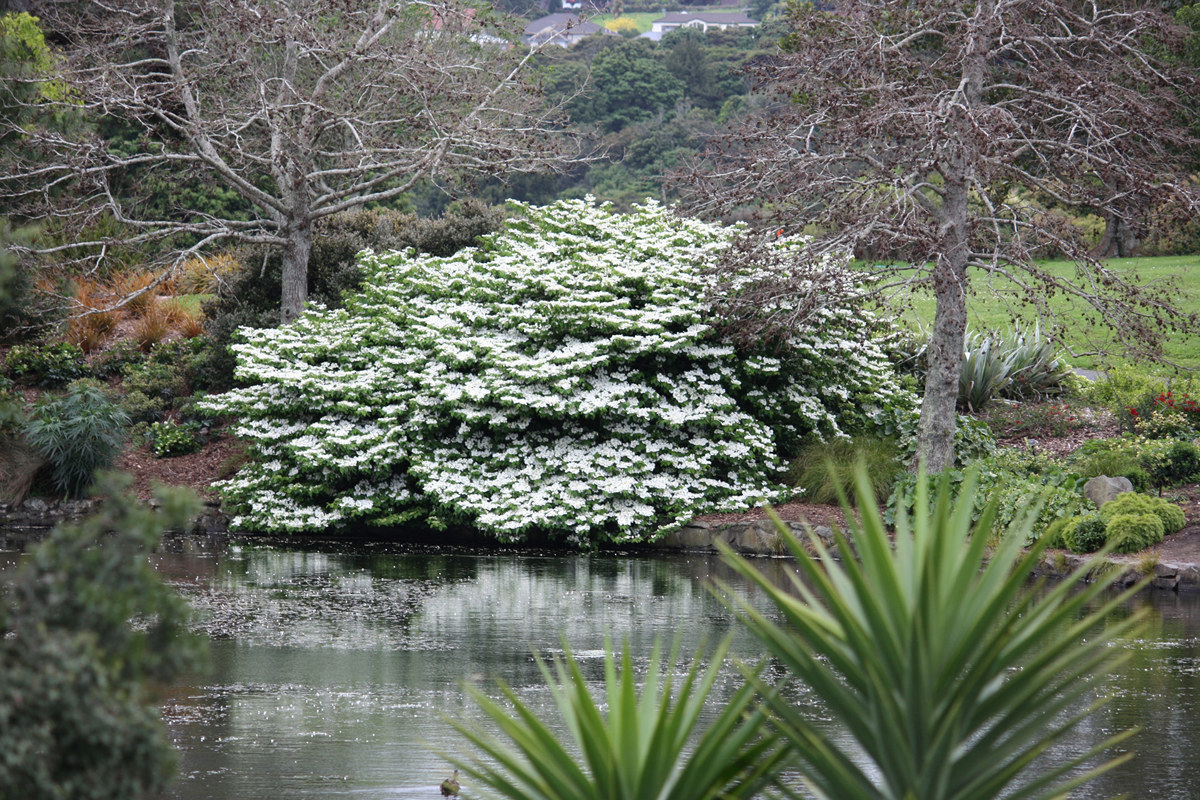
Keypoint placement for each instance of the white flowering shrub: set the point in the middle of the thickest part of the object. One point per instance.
(562, 377)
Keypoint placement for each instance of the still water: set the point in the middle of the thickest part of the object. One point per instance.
(333, 668)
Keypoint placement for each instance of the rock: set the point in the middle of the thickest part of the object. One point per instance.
(1189, 578)
(1102, 488)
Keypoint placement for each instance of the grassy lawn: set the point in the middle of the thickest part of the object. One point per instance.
(995, 301)
(641, 18)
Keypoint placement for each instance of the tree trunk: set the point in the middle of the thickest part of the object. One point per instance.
(935, 435)
(294, 283)
(943, 366)
(1119, 239)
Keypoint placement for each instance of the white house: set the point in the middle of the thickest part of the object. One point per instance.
(701, 21)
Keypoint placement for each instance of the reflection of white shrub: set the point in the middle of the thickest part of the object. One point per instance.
(561, 377)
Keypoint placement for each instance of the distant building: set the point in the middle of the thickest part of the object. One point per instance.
(562, 29)
(701, 21)
(572, 5)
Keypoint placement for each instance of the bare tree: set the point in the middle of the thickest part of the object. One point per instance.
(941, 133)
(303, 108)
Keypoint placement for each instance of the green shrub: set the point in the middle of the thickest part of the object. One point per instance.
(1054, 533)
(1171, 515)
(1131, 533)
(78, 433)
(1180, 463)
(49, 365)
(168, 439)
(562, 379)
(825, 471)
(89, 634)
(1086, 535)
(119, 358)
(1035, 368)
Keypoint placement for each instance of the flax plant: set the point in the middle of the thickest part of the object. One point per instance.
(624, 745)
(946, 676)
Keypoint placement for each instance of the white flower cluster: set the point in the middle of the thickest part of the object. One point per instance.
(563, 377)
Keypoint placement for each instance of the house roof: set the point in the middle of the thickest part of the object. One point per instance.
(561, 22)
(709, 17)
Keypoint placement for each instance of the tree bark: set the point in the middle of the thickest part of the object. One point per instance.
(295, 270)
(1119, 239)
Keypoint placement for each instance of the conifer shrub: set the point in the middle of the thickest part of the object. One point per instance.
(562, 378)
(1130, 533)
(1171, 515)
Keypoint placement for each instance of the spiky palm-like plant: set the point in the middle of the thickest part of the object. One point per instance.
(946, 673)
(647, 746)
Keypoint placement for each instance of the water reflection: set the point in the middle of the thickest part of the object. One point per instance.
(331, 671)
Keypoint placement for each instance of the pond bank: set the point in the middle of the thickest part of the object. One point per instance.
(35, 517)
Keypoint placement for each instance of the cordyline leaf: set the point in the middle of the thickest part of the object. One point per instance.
(648, 746)
(945, 673)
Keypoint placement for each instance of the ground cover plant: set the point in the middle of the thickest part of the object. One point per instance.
(562, 377)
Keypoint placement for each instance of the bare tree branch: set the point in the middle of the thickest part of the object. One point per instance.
(963, 136)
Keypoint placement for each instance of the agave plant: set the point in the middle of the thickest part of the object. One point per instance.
(647, 747)
(985, 371)
(1035, 368)
(945, 673)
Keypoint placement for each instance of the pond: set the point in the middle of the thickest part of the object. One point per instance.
(333, 668)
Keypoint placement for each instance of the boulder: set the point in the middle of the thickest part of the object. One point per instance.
(1102, 488)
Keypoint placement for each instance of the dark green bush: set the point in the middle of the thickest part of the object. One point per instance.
(48, 365)
(77, 433)
(1131, 533)
(168, 439)
(1179, 464)
(118, 358)
(1086, 535)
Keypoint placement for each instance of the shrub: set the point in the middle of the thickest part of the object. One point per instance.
(168, 439)
(207, 274)
(641, 739)
(1020, 365)
(89, 633)
(121, 355)
(90, 325)
(77, 434)
(1014, 480)
(1130, 533)
(1180, 463)
(825, 471)
(984, 371)
(1086, 535)
(562, 378)
(1171, 515)
(49, 365)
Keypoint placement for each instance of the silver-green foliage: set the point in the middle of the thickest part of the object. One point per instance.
(77, 433)
(564, 377)
(640, 739)
(1020, 365)
(945, 675)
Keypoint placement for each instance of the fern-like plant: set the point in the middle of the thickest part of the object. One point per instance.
(76, 434)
